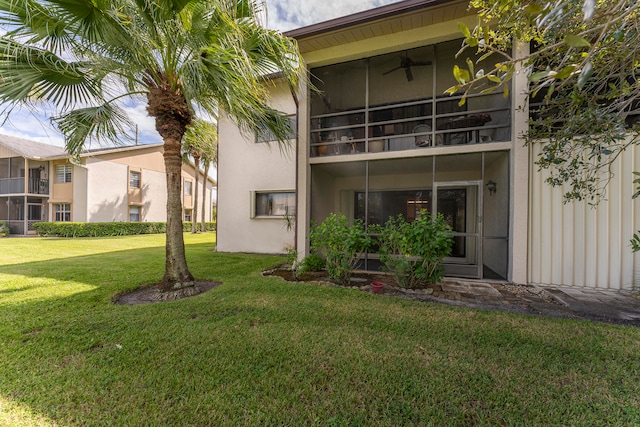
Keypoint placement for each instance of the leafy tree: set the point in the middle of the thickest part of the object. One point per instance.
(209, 155)
(583, 70)
(84, 58)
(198, 142)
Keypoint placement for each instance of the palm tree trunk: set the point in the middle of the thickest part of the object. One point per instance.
(204, 196)
(172, 114)
(176, 274)
(194, 212)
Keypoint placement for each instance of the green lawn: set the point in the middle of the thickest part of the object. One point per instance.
(260, 351)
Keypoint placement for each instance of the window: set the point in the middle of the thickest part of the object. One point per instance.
(134, 179)
(267, 136)
(275, 204)
(187, 188)
(63, 173)
(187, 215)
(63, 212)
(134, 213)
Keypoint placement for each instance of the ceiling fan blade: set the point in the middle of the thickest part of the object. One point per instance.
(409, 74)
(421, 64)
(392, 70)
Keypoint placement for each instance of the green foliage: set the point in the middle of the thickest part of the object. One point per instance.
(340, 244)
(312, 262)
(209, 226)
(4, 228)
(582, 70)
(100, 229)
(412, 251)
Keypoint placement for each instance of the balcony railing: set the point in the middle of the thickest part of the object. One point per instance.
(11, 185)
(38, 186)
(412, 125)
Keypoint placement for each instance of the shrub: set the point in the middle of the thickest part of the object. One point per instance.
(100, 229)
(412, 251)
(340, 244)
(186, 226)
(4, 228)
(312, 262)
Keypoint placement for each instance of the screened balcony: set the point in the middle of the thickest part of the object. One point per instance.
(395, 102)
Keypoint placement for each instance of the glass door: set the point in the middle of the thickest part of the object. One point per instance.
(461, 205)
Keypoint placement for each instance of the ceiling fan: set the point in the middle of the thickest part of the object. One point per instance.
(407, 63)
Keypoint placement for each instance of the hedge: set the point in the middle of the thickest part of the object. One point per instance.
(99, 229)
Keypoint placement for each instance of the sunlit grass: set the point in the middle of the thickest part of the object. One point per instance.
(260, 351)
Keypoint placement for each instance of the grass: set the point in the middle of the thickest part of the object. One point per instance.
(260, 351)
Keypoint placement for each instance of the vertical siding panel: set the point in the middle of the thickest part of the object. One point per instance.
(568, 238)
(635, 271)
(556, 230)
(578, 259)
(590, 264)
(534, 224)
(614, 228)
(545, 233)
(626, 219)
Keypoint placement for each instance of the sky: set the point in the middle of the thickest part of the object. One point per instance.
(281, 15)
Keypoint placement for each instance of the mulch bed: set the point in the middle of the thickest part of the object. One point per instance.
(151, 294)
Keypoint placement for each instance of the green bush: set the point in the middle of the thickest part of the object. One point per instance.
(99, 229)
(312, 262)
(340, 244)
(413, 251)
(4, 228)
(210, 226)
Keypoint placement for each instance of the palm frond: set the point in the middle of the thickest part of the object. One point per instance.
(107, 122)
(29, 73)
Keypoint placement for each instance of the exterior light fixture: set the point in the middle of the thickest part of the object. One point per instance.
(491, 186)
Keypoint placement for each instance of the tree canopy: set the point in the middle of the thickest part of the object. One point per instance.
(583, 69)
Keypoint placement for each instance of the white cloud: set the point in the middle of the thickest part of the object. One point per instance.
(285, 15)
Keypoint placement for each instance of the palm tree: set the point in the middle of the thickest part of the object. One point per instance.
(199, 142)
(84, 58)
(209, 155)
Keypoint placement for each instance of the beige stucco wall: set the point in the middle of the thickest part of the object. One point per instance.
(576, 245)
(245, 166)
(107, 186)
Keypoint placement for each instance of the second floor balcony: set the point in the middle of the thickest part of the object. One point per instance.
(17, 186)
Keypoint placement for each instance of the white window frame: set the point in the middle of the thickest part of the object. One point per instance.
(138, 180)
(189, 213)
(267, 136)
(63, 173)
(289, 209)
(139, 213)
(60, 213)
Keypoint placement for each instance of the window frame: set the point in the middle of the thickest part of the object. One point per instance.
(184, 187)
(132, 181)
(290, 209)
(266, 136)
(61, 214)
(66, 171)
(189, 213)
(139, 213)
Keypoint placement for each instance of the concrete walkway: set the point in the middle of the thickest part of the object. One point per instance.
(621, 307)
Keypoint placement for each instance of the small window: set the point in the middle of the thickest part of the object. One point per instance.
(187, 188)
(134, 213)
(63, 212)
(187, 215)
(134, 179)
(275, 204)
(63, 173)
(267, 136)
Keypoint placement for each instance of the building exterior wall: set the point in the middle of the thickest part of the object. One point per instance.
(79, 202)
(244, 167)
(107, 188)
(575, 244)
